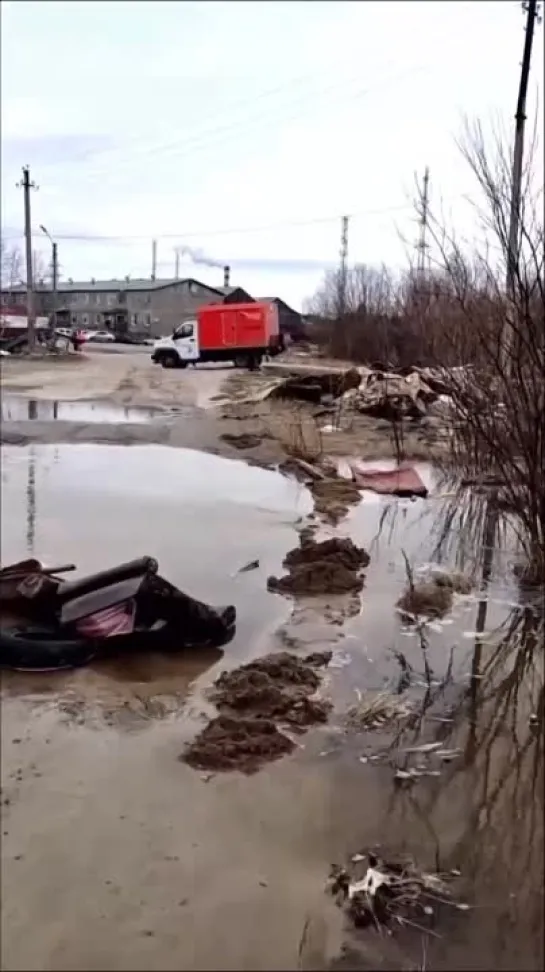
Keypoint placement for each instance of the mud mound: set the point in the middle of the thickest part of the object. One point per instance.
(342, 549)
(330, 567)
(334, 497)
(252, 700)
(275, 687)
(243, 744)
(429, 600)
(245, 440)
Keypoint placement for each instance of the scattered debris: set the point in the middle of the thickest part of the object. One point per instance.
(253, 701)
(376, 711)
(251, 565)
(316, 386)
(391, 892)
(392, 396)
(328, 567)
(402, 481)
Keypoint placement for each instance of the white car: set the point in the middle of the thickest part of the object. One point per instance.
(101, 337)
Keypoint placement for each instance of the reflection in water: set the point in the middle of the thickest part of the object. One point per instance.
(31, 500)
(483, 814)
(17, 409)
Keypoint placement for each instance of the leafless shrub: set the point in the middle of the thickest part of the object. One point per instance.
(498, 333)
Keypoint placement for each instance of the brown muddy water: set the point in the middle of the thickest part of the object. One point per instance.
(118, 856)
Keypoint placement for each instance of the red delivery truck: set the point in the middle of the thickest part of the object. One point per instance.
(241, 333)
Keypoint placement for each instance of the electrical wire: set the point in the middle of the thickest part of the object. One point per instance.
(183, 149)
(193, 234)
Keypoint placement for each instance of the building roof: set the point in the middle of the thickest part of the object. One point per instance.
(277, 300)
(112, 286)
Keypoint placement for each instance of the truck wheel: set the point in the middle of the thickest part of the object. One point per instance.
(241, 361)
(254, 362)
(170, 360)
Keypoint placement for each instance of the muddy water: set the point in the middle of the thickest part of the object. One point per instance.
(202, 517)
(119, 856)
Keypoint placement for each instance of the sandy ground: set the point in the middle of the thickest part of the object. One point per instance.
(218, 401)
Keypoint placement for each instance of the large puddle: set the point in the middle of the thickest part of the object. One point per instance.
(477, 695)
(18, 409)
(202, 517)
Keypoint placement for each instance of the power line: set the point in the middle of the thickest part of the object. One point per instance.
(179, 148)
(240, 103)
(181, 234)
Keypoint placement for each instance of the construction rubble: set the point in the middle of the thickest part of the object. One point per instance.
(381, 394)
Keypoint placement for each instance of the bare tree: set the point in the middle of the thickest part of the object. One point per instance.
(11, 266)
(499, 398)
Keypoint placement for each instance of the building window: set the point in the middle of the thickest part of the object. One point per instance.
(110, 300)
(85, 320)
(98, 319)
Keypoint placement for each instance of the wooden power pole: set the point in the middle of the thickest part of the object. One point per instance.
(26, 186)
(531, 9)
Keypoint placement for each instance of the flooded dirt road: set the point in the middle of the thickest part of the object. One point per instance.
(116, 855)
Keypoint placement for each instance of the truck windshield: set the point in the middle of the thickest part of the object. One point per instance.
(184, 330)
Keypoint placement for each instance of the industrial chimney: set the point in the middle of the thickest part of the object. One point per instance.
(226, 276)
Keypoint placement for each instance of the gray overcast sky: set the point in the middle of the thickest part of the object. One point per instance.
(190, 121)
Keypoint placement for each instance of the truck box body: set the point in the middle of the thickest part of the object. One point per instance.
(238, 326)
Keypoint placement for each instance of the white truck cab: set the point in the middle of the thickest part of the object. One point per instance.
(180, 349)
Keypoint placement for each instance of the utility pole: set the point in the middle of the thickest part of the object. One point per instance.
(27, 185)
(153, 259)
(531, 10)
(54, 281)
(422, 245)
(343, 268)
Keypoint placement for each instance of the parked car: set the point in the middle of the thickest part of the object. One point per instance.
(100, 337)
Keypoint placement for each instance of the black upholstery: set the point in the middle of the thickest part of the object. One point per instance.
(94, 582)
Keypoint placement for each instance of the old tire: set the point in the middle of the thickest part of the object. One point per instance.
(35, 648)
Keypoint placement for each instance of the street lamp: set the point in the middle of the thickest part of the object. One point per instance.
(53, 321)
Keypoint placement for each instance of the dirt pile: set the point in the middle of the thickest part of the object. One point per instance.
(245, 440)
(229, 743)
(253, 701)
(427, 600)
(318, 568)
(334, 497)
